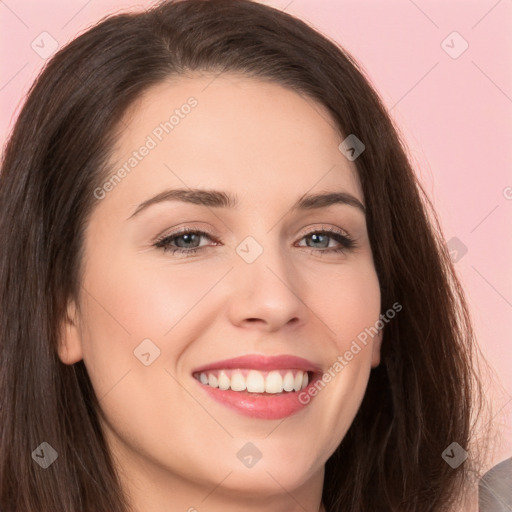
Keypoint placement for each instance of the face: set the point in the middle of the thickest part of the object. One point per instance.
(260, 298)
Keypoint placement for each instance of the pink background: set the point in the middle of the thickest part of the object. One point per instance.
(455, 114)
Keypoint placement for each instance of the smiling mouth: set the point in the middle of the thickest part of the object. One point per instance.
(251, 381)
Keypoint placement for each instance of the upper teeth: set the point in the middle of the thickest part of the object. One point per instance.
(255, 381)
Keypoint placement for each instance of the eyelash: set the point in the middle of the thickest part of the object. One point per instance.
(347, 243)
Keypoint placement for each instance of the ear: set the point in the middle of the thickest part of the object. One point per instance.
(70, 342)
(376, 346)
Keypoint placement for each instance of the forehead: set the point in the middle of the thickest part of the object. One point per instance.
(229, 132)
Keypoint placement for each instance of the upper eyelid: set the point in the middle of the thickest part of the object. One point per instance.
(185, 231)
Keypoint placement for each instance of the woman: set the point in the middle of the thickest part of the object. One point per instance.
(222, 285)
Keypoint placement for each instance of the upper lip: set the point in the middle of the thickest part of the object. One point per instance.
(262, 363)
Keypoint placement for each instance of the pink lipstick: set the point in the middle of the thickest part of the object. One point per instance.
(259, 386)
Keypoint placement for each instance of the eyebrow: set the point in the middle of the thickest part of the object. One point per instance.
(220, 199)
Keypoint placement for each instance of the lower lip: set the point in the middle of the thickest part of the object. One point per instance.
(261, 405)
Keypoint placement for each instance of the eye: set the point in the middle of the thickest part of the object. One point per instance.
(323, 237)
(186, 242)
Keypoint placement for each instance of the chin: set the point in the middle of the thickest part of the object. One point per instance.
(269, 476)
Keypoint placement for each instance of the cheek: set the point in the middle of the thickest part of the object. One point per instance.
(347, 299)
(128, 302)
(147, 300)
(349, 307)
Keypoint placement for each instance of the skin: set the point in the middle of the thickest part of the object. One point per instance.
(175, 448)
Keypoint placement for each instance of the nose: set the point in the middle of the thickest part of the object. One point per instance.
(266, 293)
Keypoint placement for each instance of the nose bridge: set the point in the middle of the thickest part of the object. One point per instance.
(265, 282)
(262, 256)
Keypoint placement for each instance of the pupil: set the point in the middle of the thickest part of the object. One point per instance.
(316, 237)
(187, 237)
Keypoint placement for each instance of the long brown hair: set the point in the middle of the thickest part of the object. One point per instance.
(418, 401)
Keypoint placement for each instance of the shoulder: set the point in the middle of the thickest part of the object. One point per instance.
(495, 488)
